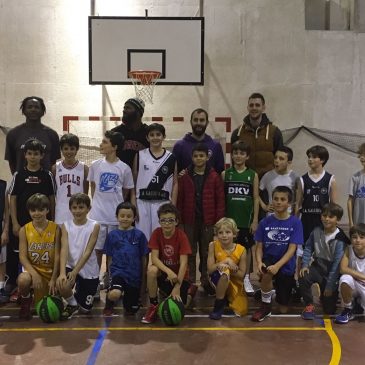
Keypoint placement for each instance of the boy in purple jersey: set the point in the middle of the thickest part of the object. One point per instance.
(277, 238)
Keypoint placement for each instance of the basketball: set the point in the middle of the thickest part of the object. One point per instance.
(49, 308)
(171, 312)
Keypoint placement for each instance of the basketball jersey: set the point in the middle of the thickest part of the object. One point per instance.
(355, 262)
(78, 238)
(41, 248)
(155, 175)
(239, 196)
(221, 254)
(315, 193)
(69, 181)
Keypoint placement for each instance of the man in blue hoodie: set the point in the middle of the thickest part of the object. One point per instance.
(182, 149)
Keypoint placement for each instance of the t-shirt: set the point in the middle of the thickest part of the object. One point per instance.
(276, 235)
(26, 183)
(126, 248)
(357, 191)
(18, 135)
(134, 141)
(110, 179)
(171, 248)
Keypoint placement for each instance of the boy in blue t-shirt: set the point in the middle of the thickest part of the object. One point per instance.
(277, 238)
(126, 250)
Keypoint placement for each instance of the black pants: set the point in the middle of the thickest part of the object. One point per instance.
(12, 258)
(305, 283)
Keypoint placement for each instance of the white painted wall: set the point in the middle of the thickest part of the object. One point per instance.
(313, 78)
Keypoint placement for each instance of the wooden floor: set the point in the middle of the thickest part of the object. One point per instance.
(198, 340)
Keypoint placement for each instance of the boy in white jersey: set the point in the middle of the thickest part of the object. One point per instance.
(78, 262)
(70, 176)
(111, 183)
(155, 174)
(352, 267)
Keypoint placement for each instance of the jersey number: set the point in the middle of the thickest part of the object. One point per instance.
(37, 258)
(316, 198)
(155, 179)
(69, 191)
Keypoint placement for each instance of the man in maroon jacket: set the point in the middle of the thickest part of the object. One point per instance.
(201, 204)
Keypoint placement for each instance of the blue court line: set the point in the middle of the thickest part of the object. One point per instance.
(99, 343)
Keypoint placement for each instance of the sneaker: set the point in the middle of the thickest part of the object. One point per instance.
(25, 305)
(248, 286)
(151, 314)
(4, 296)
(345, 316)
(308, 312)
(263, 312)
(191, 294)
(69, 311)
(15, 296)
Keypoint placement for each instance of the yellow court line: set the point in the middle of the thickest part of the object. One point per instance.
(336, 344)
(55, 329)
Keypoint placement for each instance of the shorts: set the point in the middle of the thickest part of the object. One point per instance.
(166, 287)
(358, 287)
(38, 294)
(216, 275)
(245, 238)
(2, 254)
(283, 285)
(131, 295)
(85, 289)
(103, 232)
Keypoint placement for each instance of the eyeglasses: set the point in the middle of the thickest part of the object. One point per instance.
(167, 220)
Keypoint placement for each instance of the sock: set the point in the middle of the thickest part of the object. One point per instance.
(2, 284)
(348, 305)
(219, 305)
(266, 297)
(71, 301)
(154, 301)
(247, 277)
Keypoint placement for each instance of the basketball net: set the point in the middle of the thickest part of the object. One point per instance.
(144, 83)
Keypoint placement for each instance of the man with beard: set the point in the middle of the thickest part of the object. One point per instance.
(133, 130)
(263, 137)
(183, 148)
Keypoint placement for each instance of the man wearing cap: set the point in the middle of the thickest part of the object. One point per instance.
(133, 130)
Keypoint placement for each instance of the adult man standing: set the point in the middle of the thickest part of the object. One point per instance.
(33, 109)
(260, 134)
(133, 130)
(182, 149)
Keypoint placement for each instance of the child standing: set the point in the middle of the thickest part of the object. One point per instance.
(78, 262)
(126, 250)
(155, 174)
(169, 271)
(241, 186)
(352, 281)
(227, 267)
(39, 242)
(277, 238)
(315, 189)
(201, 204)
(70, 176)
(356, 199)
(321, 261)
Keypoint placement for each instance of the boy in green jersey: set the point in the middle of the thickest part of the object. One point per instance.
(241, 186)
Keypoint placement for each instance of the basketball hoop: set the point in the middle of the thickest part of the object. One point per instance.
(144, 83)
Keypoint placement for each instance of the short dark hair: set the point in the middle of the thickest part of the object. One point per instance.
(24, 102)
(361, 149)
(257, 96)
(33, 144)
(333, 209)
(116, 139)
(199, 110)
(126, 205)
(37, 202)
(79, 198)
(288, 151)
(358, 229)
(71, 139)
(156, 127)
(241, 146)
(319, 151)
(284, 189)
(201, 147)
(168, 208)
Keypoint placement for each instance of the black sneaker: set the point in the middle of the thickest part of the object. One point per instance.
(69, 311)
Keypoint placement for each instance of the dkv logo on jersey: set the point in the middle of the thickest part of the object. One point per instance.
(108, 181)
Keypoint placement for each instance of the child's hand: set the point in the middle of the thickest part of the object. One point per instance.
(327, 293)
(269, 208)
(303, 271)
(16, 229)
(261, 267)
(171, 277)
(253, 227)
(61, 280)
(71, 277)
(273, 269)
(52, 287)
(222, 267)
(175, 294)
(4, 238)
(37, 282)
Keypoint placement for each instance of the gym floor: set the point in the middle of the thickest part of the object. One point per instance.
(197, 340)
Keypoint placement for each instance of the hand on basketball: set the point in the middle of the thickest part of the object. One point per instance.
(303, 271)
(171, 277)
(52, 287)
(175, 294)
(37, 281)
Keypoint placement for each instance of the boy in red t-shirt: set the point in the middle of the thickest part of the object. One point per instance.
(169, 272)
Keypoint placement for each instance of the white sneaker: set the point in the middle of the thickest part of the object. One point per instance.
(248, 286)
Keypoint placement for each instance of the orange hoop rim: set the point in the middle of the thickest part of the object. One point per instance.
(144, 76)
